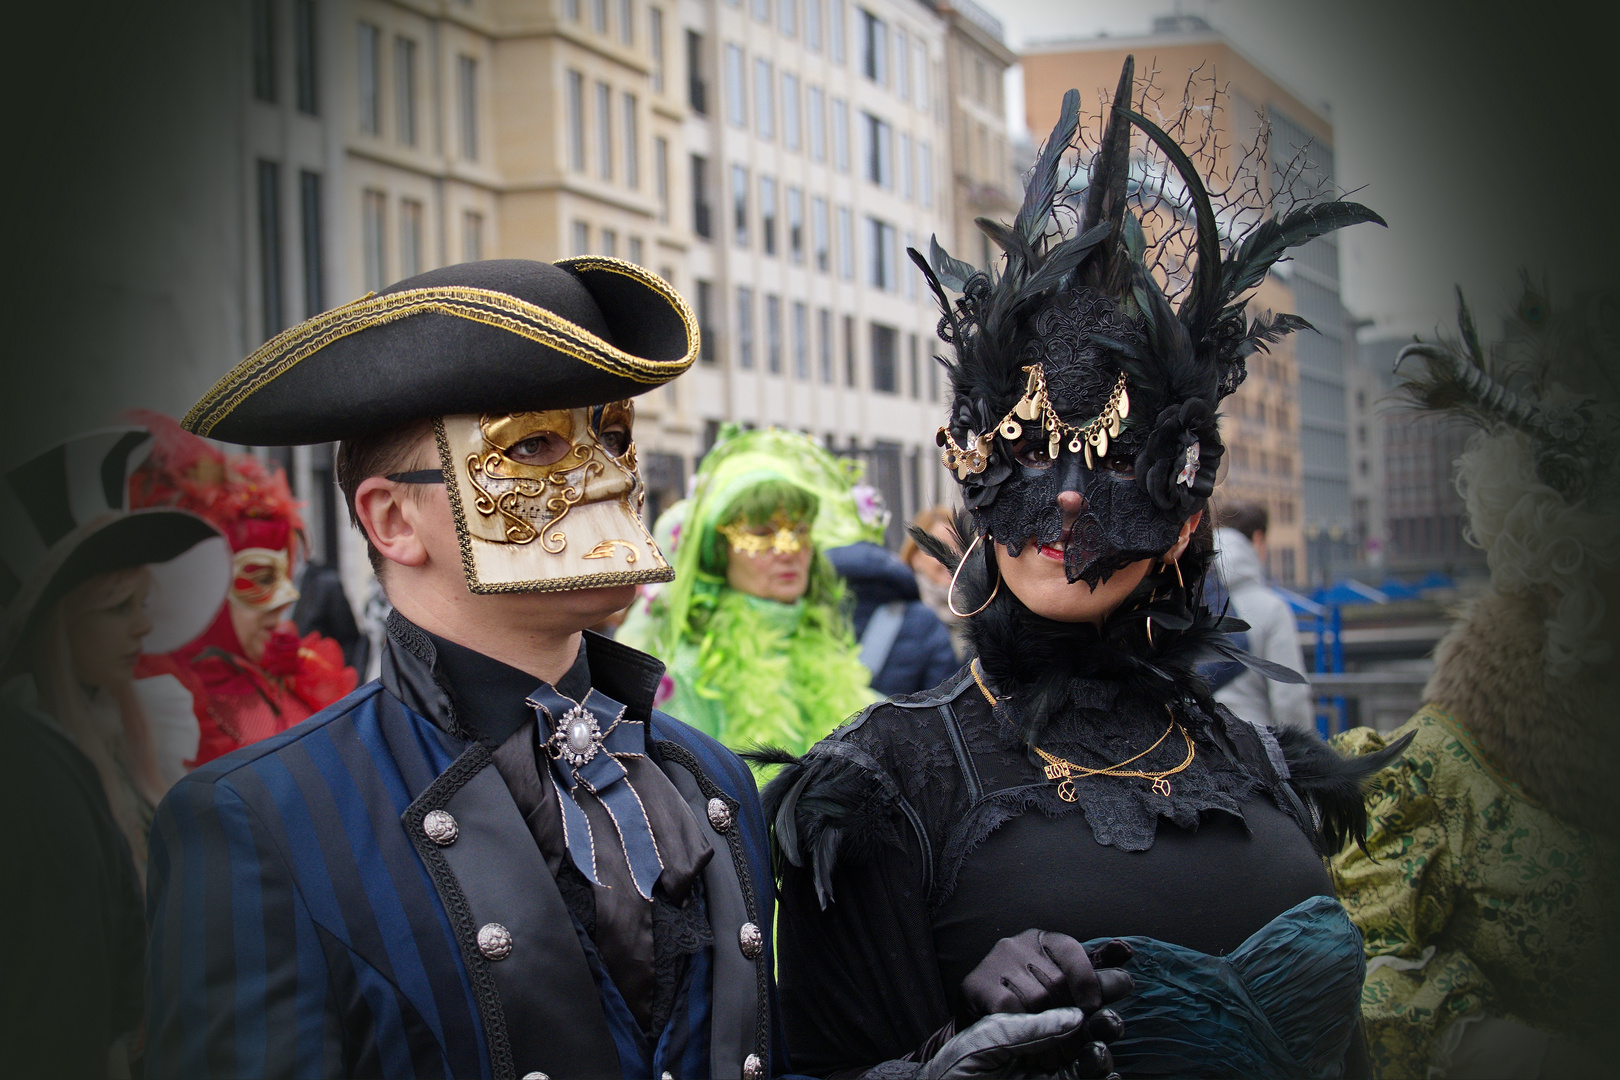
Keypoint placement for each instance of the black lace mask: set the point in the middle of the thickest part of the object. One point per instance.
(1137, 488)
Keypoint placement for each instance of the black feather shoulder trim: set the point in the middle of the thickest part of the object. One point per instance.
(1335, 785)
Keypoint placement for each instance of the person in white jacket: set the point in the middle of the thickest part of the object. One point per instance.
(1240, 545)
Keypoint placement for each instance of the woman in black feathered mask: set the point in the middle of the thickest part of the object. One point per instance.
(1076, 782)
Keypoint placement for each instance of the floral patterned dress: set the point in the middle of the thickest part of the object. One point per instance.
(1477, 901)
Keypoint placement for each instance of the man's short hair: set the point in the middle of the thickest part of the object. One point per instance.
(394, 450)
(1246, 517)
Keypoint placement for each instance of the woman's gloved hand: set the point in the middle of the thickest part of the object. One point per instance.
(1038, 970)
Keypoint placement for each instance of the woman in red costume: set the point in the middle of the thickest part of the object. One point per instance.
(249, 673)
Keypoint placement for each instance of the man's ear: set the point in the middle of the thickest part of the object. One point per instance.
(380, 505)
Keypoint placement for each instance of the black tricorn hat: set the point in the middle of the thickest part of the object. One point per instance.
(506, 335)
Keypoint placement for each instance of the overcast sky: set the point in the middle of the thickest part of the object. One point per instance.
(1455, 120)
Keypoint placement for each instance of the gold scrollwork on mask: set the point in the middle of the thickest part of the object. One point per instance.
(604, 550)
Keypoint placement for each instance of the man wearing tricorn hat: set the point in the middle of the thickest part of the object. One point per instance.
(497, 860)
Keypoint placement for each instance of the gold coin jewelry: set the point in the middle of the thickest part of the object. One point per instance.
(1066, 772)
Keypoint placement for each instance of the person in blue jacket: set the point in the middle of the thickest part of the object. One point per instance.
(903, 643)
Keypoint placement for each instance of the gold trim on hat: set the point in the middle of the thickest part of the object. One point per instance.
(492, 308)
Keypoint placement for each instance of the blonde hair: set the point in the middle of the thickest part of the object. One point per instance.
(926, 519)
(124, 760)
(1537, 543)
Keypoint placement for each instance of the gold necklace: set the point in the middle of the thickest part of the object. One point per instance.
(1066, 772)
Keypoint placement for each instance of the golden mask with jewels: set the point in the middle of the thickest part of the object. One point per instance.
(779, 536)
(549, 501)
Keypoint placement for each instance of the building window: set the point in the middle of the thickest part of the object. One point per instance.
(762, 10)
(604, 131)
(874, 47)
(373, 230)
(263, 16)
(885, 343)
(824, 357)
(702, 213)
(610, 243)
(697, 90)
(637, 251)
(801, 341)
(877, 150)
(902, 64)
(906, 188)
(599, 16)
(840, 113)
(846, 244)
(812, 25)
(773, 334)
(835, 31)
(270, 245)
(467, 68)
(820, 240)
(304, 56)
(405, 89)
(310, 220)
(795, 224)
(368, 79)
(706, 328)
(913, 371)
(472, 236)
(632, 160)
(787, 16)
(880, 237)
(764, 100)
(736, 102)
(922, 75)
(655, 46)
(581, 239)
(851, 366)
(661, 175)
(410, 238)
(745, 327)
(627, 22)
(933, 379)
(767, 213)
(907, 268)
(739, 205)
(925, 173)
(571, 10)
(575, 104)
(818, 124)
(790, 111)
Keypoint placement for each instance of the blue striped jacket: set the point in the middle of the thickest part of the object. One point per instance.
(302, 923)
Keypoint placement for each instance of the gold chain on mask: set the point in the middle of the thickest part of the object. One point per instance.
(1091, 437)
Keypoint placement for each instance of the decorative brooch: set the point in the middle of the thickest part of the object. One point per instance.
(1091, 437)
(578, 738)
(1189, 466)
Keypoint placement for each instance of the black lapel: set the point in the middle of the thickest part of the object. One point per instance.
(540, 1005)
(740, 1023)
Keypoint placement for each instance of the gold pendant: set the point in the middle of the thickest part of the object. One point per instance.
(1066, 791)
(1162, 787)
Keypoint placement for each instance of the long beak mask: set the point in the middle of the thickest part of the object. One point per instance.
(548, 501)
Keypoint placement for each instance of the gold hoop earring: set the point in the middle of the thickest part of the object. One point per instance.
(950, 594)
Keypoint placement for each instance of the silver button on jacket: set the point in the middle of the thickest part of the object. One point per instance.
(440, 827)
(753, 1068)
(494, 941)
(751, 940)
(537, 1075)
(719, 815)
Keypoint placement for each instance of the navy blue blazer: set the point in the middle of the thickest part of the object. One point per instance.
(303, 923)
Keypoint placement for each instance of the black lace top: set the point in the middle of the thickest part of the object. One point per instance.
(910, 849)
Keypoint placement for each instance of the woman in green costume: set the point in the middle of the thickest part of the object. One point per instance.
(1486, 891)
(758, 645)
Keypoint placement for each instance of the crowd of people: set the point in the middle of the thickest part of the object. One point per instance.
(748, 794)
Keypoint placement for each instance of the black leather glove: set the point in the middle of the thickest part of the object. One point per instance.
(1010, 1045)
(1038, 970)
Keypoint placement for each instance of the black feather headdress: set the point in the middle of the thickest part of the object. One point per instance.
(1071, 348)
